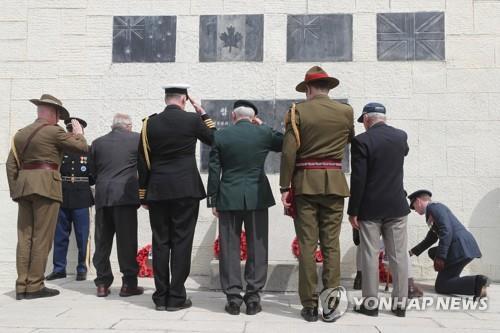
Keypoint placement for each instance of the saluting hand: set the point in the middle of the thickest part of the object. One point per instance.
(197, 107)
(257, 121)
(77, 127)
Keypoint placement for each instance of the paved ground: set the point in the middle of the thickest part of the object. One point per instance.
(78, 310)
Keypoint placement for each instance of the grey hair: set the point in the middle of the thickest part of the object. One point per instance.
(121, 120)
(244, 112)
(171, 96)
(376, 116)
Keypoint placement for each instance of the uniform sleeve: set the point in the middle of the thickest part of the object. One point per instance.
(69, 142)
(351, 125)
(91, 172)
(429, 239)
(214, 173)
(359, 164)
(289, 153)
(143, 170)
(206, 129)
(445, 230)
(12, 171)
(276, 141)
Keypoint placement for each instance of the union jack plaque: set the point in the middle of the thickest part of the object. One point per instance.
(144, 38)
(410, 36)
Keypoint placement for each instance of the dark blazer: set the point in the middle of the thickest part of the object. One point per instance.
(456, 243)
(76, 194)
(239, 153)
(172, 136)
(377, 174)
(114, 166)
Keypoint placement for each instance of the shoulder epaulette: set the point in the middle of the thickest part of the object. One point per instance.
(152, 115)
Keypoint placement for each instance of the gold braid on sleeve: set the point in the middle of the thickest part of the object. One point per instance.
(145, 142)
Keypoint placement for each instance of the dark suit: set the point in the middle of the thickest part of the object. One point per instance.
(378, 199)
(242, 195)
(457, 247)
(114, 166)
(74, 211)
(172, 188)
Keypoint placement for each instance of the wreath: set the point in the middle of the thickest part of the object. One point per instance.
(243, 246)
(318, 255)
(142, 258)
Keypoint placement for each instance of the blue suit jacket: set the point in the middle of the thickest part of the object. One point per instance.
(456, 243)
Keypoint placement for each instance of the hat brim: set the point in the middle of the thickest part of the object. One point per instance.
(63, 113)
(333, 82)
(360, 119)
(81, 121)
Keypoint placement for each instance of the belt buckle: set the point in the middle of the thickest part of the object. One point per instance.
(72, 179)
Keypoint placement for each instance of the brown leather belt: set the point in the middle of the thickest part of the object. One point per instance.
(40, 166)
(319, 164)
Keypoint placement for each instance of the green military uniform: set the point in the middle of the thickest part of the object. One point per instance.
(323, 127)
(35, 184)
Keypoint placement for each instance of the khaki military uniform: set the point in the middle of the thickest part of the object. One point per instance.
(324, 127)
(36, 188)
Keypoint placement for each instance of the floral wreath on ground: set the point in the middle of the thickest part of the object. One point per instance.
(243, 246)
(142, 258)
(318, 255)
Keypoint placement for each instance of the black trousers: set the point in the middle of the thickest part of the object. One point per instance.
(449, 281)
(256, 230)
(121, 220)
(173, 223)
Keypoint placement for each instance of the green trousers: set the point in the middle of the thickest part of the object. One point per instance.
(36, 225)
(319, 217)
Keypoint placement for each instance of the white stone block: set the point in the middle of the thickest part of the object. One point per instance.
(163, 7)
(274, 38)
(57, 4)
(384, 79)
(473, 80)
(14, 10)
(458, 106)
(199, 7)
(372, 6)
(449, 191)
(470, 51)
(44, 34)
(364, 36)
(13, 29)
(187, 39)
(98, 60)
(25, 89)
(99, 31)
(459, 17)
(486, 17)
(74, 21)
(429, 77)
(243, 7)
(109, 7)
(72, 57)
(412, 162)
(460, 161)
(16, 50)
(432, 161)
(285, 7)
(330, 7)
(493, 107)
(420, 5)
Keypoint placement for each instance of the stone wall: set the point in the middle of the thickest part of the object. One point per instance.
(448, 107)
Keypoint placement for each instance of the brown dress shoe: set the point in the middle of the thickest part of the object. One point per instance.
(127, 291)
(102, 291)
(413, 290)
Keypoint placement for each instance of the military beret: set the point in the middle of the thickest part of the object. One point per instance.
(371, 108)
(242, 102)
(416, 195)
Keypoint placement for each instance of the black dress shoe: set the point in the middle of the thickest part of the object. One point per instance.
(232, 308)
(187, 304)
(81, 276)
(55, 276)
(369, 312)
(357, 281)
(253, 308)
(309, 314)
(44, 292)
(102, 291)
(127, 291)
(20, 296)
(160, 308)
(480, 286)
(399, 312)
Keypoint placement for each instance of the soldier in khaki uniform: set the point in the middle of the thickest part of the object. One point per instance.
(35, 184)
(317, 132)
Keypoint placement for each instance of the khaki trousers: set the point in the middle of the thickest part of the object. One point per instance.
(36, 225)
(319, 217)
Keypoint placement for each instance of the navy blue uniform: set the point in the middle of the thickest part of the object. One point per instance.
(74, 211)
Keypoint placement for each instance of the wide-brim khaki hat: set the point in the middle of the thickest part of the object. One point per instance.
(47, 99)
(317, 73)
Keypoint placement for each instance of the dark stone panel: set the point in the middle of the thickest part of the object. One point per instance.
(326, 37)
(410, 36)
(272, 112)
(144, 38)
(231, 38)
